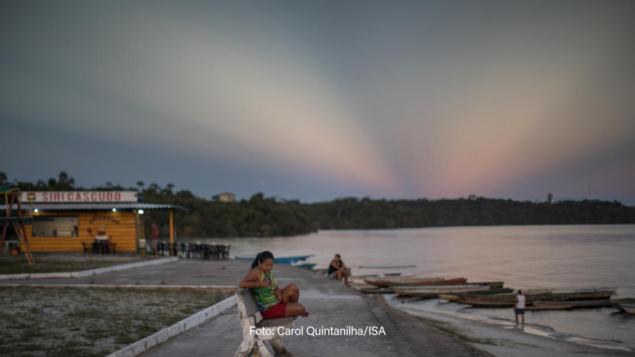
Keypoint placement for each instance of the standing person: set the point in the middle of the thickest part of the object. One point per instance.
(154, 239)
(519, 308)
(272, 301)
(338, 270)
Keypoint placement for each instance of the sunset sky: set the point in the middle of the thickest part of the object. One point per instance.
(316, 100)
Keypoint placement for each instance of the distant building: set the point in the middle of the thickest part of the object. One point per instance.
(225, 197)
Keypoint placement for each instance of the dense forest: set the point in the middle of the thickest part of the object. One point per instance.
(268, 216)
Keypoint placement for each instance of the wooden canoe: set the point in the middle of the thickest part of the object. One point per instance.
(549, 307)
(433, 292)
(575, 303)
(427, 281)
(381, 281)
(623, 301)
(359, 279)
(456, 297)
(578, 290)
(629, 308)
(375, 290)
(491, 285)
(540, 297)
(479, 303)
(492, 291)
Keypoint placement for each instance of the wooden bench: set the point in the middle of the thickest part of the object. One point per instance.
(264, 330)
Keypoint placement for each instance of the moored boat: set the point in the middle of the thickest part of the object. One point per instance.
(359, 279)
(280, 260)
(480, 303)
(426, 281)
(434, 291)
(491, 285)
(307, 266)
(383, 281)
(455, 297)
(549, 307)
(575, 303)
(629, 308)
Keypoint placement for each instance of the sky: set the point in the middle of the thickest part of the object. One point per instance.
(315, 100)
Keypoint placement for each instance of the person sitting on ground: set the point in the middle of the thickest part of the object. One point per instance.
(519, 307)
(272, 301)
(338, 270)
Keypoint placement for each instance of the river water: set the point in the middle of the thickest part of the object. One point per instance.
(522, 256)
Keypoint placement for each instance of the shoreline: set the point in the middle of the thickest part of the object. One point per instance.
(501, 338)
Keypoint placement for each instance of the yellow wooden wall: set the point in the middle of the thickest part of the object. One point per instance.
(122, 233)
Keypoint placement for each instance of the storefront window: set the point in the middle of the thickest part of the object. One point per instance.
(55, 226)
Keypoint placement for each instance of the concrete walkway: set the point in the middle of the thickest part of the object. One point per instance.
(330, 303)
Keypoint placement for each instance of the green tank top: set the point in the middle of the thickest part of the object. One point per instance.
(266, 296)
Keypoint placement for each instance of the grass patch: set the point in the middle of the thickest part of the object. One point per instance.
(89, 321)
(447, 328)
(19, 264)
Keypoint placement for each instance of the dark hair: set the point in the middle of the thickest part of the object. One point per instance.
(261, 257)
(520, 292)
(339, 256)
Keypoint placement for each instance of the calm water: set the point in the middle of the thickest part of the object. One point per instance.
(525, 257)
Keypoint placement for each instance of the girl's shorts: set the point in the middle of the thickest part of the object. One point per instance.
(275, 312)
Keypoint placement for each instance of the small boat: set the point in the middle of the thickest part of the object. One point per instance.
(386, 266)
(456, 297)
(433, 292)
(307, 266)
(280, 260)
(479, 303)
(575, 303)
(623, 301)
(579, 290)
(426, 281)
(488, 285)
(629, 308)
(549, 307)
(372, 289)
(381, 281)
(359, 279)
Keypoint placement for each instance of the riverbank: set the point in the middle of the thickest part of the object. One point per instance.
(502, 338)
(332, 305)
(330, 302)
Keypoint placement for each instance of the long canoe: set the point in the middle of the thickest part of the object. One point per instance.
(629, 308)
(359, 279)
(426, 281)
(433, 293)
(386, 266)
(623, 301)
(540, 297)
(456, 297)
(578, 290)
(372, 289)
(575, 303)
(489, 284)
(549, 307)
(383, 281)
(280, 260)
(479, 303)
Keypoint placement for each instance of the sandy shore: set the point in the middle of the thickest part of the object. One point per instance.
(502, 338)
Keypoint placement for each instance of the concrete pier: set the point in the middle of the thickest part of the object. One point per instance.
(330, 303)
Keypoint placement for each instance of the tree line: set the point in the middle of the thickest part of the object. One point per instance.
(267, 216)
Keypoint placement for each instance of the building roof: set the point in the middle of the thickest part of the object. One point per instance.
(95, 206)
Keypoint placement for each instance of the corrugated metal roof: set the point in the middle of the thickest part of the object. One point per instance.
(95, 206)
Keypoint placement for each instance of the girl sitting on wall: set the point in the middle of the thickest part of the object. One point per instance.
(273, 302)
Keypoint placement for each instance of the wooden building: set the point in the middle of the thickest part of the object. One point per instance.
(62, 221)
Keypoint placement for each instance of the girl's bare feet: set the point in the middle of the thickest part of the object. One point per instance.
(305, 314)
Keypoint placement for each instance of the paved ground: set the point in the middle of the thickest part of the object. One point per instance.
(331, 305)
